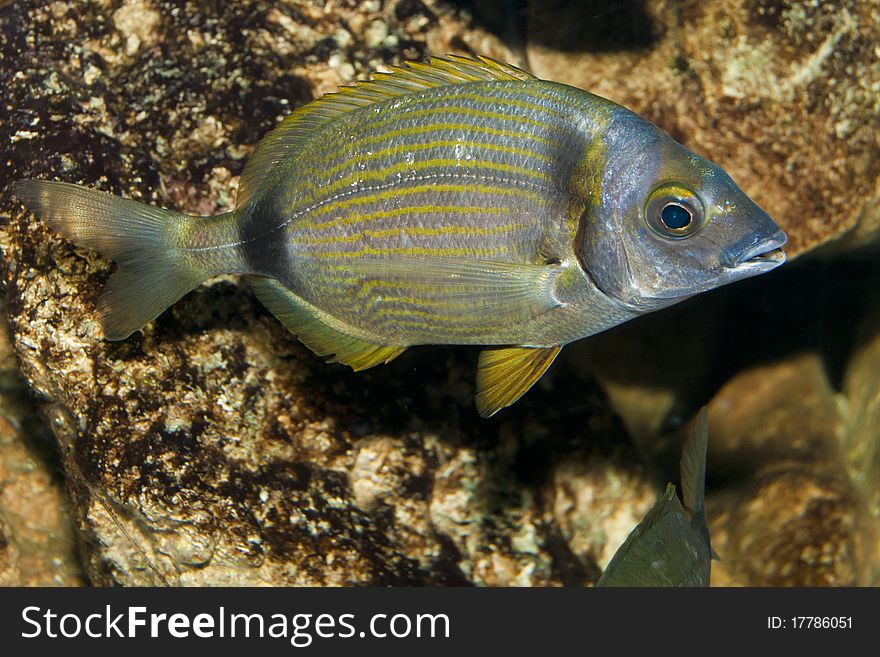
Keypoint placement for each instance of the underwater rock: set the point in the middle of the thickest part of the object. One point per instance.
(37, 541)
(787, 511)
(861, 444)
(213, 448)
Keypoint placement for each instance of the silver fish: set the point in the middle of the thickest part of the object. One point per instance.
(460, 201)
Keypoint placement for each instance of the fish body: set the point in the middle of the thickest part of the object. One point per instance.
(455, 202)
(670, 546)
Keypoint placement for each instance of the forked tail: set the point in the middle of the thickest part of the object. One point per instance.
(161, 254)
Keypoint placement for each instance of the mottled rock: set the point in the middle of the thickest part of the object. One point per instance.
(788, 368)
(37, 541)
(787, 511)
(212, 448)
(861, 442)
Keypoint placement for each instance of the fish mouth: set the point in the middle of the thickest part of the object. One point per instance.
(763, 256)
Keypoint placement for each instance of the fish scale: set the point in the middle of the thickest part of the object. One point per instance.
(511, 195)
(458, 201)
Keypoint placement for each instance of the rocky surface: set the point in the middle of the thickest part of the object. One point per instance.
(212, 448)
(37, 546)
(861, 446)
(818, 530)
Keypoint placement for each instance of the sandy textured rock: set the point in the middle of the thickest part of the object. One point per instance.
(213, 448)
(861, 445)
(788, 512)
(37, 540)
(789, 369)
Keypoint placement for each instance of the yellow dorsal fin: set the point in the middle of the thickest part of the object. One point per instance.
(314, 331)
(409, 78)
(505, 374)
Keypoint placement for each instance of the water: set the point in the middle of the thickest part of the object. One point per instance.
(213, 447)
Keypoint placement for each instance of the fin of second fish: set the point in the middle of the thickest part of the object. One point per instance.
(303, 320)
(670, 546)
(693, 474)
(505, 374)
(693, 464)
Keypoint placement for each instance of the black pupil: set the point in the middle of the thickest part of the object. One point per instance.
(675, 216)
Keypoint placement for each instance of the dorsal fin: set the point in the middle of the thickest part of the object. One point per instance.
(402, 80)
(693, 464)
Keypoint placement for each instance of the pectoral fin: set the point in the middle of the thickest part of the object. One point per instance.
(477, 288)
(319, 332)
(505, 374)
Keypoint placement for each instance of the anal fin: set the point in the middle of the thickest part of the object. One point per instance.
(505, 374)
(306, 322)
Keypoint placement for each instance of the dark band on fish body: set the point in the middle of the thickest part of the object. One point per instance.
(260, 232)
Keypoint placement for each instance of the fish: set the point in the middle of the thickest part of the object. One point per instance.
(456, 201)
(671, 545)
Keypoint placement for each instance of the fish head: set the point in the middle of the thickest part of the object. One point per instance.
(669, 224)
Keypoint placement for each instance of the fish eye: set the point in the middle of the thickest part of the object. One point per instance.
(674, 212)
(676, 216)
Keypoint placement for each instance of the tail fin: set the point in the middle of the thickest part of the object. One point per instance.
(153, 270)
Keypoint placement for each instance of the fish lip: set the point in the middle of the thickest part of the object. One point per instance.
(763, 256)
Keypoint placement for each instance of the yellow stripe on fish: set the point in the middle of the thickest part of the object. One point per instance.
(425, 231)
(408, 251)
(438, 210)
(350, 200)
(465, 166)
(460, 144)
(417, 131)
(449, 110)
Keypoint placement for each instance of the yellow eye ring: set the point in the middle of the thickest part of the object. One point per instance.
(674, 212)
